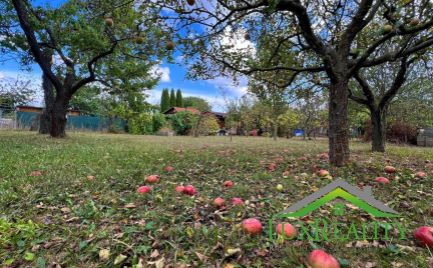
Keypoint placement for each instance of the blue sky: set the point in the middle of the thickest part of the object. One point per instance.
(172, 76)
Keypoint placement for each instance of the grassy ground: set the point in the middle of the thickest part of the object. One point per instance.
(53, 213)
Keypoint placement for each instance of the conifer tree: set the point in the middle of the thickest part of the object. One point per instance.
(179, 98)
(172, 98)
(165, 100)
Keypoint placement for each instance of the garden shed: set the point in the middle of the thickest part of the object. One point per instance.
(425, 137)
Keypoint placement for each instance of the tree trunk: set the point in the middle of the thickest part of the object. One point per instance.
(58, 117)
(274, 131)
(378, 120)
(48, 88)
(338, 123)
(45, 119)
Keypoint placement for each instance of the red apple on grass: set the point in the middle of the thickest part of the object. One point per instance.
(323, 173)
(179, 188)
(169, 168)
(289, 230)
(189, 190)
(218, 202)
(381, 180)
(237, 201)
(272, 167)
(320, 259)
(152, 179)
(252, 226)
(228, 184)
(143, 189)
(390, 169)
(420, 175)
(424, 236)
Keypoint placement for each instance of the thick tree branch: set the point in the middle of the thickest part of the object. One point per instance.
(33, 44)
(91, 69)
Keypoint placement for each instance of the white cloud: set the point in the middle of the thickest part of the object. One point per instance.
(228, 85)
(162, 72)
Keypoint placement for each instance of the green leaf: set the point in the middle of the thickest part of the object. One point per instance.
(28, 256)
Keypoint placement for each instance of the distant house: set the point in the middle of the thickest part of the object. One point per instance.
(221, 117)
(174, 110)
(33, 109)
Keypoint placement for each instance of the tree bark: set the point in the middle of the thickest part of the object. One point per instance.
(378, 121)
(48, 88)
(45, 120)
(338, 123)
(274, 131)
(58, 116)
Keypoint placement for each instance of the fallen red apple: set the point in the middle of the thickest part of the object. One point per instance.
(390, 169)
(169, 168)
(219, 202)
(323, 173)
(179, 188)
(143, 189)
(289, 230)
(272, 166)
(424, 236)
(382, 180)
(152, 179)
(420, 175)
(228, 184)
(429, 166)
(320, 259)
(237, 201)
(252, 226)
(189, 190)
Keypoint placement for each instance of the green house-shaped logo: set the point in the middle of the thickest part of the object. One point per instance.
(339, 188)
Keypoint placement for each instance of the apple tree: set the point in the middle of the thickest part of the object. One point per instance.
(82, 42)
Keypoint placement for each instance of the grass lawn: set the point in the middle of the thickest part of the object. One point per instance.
(63, 201)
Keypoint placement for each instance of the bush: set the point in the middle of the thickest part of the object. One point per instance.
(398, 132)
(401, 132)
(208, 125)
(158, 121)
(140, 124)
(183, 122)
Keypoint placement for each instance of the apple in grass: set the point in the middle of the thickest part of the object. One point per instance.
(420, 175)
(189, 190)
(169, 168)
(389, 169)
(228, 184)
(287, 228)
(323, 173)
(143, 189)
(280, 187)
(320, 259)
(218, 202)
(237, 201)
(252, 226)
(272, 167)
(179, 188)
(424, 236)
(152, 179)
(382, 180)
